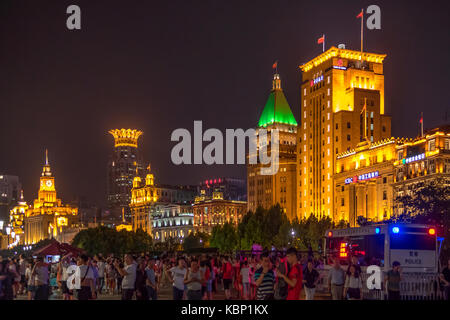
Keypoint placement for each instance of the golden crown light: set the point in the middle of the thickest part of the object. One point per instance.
(125, 137)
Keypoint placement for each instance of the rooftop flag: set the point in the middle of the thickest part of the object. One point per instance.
(321, 40)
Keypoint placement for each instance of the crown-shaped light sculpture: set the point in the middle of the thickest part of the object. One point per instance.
(125, 137)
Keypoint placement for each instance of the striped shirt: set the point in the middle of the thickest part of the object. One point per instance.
(265, 289)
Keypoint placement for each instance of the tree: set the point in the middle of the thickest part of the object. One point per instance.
(195, 241)
(429, 203)
(107, 240)
(224, 238)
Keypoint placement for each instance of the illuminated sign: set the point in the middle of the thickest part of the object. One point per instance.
(362, 177)
(316, 80)
(340, 67)
(414, 158)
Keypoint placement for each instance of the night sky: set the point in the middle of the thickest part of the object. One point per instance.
(160, 65)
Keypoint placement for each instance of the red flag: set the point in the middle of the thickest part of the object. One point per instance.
(274, 66)
(360, 15)
(321, 40)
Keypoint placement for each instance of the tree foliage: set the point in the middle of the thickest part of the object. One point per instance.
(429, 203)
(107, 240)
(271, 227)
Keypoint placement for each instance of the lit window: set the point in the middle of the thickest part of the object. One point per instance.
(328, 91)
(328, 128)
(328, 116)
(328, 104)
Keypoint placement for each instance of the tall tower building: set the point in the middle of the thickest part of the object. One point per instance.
(124, 164)
(342, 105)
(268, 190)
(48, 218)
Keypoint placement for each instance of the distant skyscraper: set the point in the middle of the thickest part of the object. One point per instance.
(268, 190)
(124, 163)
(9, 195)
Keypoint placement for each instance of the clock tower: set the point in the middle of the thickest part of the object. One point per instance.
(47, 191)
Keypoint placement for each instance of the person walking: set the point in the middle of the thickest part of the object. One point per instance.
(227, 276)
(193, 281)
(294, 278)
(245, 280)
(264, 280)
(311, 277)
(87, 279)
(336, 279)
(353, 284)
(128, 274)
(141, 280)
(176, 276)
(151, 280)
(41, 276)
(392, 281)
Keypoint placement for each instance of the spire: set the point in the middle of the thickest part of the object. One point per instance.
(46, 170)
(277, 109)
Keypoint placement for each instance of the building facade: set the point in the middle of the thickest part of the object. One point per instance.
(231, 188)
(363, 182)
(172, 221)
(422, 160)
(342, 104)
(17, 218)
(151, 202)
(123, 165)
(214, 211)
(280, 188)
(48, 218)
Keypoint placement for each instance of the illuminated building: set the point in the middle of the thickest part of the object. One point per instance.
(231, 188)
(363, 182)
(122, 166)
(336, 85)
(148, 200)
(214, 211)
(172, 221)
(143, 197)
(422, 160)
(17, 216)
(9, 195)
(268, 190)
(48, 218)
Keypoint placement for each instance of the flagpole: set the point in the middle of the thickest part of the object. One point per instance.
(421, 124)
(362, 29)
(323, 43)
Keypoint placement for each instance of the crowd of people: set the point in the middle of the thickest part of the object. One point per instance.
(265, 276)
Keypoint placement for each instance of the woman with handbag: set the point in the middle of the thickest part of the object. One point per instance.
(353, 284)
(87, 284)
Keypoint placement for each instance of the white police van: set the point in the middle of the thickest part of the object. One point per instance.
(415, 246)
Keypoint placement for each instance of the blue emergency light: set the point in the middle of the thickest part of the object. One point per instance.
(395, 230)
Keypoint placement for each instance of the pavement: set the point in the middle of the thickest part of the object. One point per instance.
(164, 293)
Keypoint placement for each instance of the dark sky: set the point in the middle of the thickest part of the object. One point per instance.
(160, 65)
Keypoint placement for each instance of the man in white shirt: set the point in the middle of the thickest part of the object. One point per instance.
(40, 272)
(176, 275)
(129, 276)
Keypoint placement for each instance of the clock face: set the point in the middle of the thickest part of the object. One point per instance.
(48, 183)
